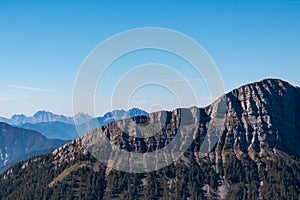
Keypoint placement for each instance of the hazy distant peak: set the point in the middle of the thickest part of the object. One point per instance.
(43, 112)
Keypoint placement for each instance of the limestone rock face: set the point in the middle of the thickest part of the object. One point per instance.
(258, 119)
(263, 116)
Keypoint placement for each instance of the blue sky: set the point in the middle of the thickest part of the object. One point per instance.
(43, 44)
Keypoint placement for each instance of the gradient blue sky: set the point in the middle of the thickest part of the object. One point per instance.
(43, 43)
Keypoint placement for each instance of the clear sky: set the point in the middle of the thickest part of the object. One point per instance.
(43, 44)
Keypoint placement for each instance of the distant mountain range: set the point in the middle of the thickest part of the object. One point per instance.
(256, 154)
(62, 127)
(38, 117)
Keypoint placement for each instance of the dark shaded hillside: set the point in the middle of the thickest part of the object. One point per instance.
(256, 155)
(18, 144)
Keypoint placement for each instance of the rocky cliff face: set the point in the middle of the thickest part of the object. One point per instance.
(259, 119)
(262, 117)
(243, 146)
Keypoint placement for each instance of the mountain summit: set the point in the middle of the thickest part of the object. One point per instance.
(267, 117)
(253, 153)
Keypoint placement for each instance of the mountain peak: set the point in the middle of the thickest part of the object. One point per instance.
(18, 116)
(269, 84)
(136, 111)
(42, 112)
(267, 114)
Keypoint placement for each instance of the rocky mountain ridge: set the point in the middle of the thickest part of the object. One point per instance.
(251, 136)
(257, 118)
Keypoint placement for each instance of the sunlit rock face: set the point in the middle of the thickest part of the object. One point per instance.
(254, 119)
(261, 117)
